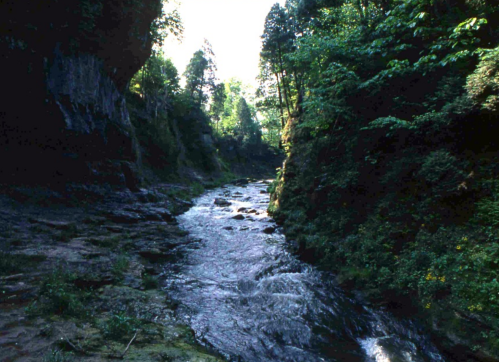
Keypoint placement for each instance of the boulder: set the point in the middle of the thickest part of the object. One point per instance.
(153, 254)
(222, 202)
(269, 230)
(124, 217)
(238, 217)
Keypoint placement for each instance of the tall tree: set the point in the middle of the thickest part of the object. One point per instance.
(217, 103)
(200, 74)
(247, 127)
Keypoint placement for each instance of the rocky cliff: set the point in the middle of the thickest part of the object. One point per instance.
(63, 115)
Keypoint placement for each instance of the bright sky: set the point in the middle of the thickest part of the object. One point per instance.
(233, 27)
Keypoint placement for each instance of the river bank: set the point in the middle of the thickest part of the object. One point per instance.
(79, 278)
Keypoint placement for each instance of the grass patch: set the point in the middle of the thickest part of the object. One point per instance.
(120, 326)
(149, 281)
(57, 355)
(120, 266)
(59, 295)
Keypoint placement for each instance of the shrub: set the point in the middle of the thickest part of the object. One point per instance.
(57, 355)
(149, 281)
(120, 266)
(120, 326)
(60, 296)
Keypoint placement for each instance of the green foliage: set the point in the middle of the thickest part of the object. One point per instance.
(443, 173)
(391, 171)
(246, 126)
(200, 74)
(59, 295)
(120, 266)
(217, 105)
(186, 193)
(149, 281)
(165, 23)
(197, 189)
(120, 326)
(158, 77)
(56, 355)
(483, 84)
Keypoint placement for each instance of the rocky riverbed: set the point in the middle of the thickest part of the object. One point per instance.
(80, 279)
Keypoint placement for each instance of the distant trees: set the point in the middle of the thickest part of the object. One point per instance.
(158, 76)
(200, 74)
(218, 103)
(247, 128)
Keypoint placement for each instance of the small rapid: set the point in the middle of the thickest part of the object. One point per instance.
(245, 295)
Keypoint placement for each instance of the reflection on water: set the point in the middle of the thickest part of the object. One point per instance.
(245, 295)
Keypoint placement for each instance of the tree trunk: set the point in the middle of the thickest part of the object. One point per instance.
(281, 66)
(280, 100)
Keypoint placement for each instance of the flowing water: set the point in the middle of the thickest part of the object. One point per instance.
(245, 295)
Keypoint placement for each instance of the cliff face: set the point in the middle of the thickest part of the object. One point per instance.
(63, 115)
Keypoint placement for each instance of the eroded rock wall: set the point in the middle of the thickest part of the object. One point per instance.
(63, 116)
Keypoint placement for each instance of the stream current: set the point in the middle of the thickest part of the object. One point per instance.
(246, 296)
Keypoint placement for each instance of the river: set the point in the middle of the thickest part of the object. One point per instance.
(246, 296)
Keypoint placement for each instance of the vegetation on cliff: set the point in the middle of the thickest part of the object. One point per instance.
(206, 124)
(391, 175)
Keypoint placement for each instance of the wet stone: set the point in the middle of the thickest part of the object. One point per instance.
(242, 209)
(164, 213)
(238, 217)
(124, 217)
(228, 228)
(59, 225)
(153, 254)
(242, 181)
(222, 202)
(269, 230)
(115, 229)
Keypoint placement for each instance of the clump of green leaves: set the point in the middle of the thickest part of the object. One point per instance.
(56, 355)
(120, 266)
(197, 189)
(149, 281)
(59, 295)
(120, 326)
(483, 84)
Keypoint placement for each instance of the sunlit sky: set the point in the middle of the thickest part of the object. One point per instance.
(233, 27)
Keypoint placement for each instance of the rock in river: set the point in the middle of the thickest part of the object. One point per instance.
(222, 202)
(269, 230)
